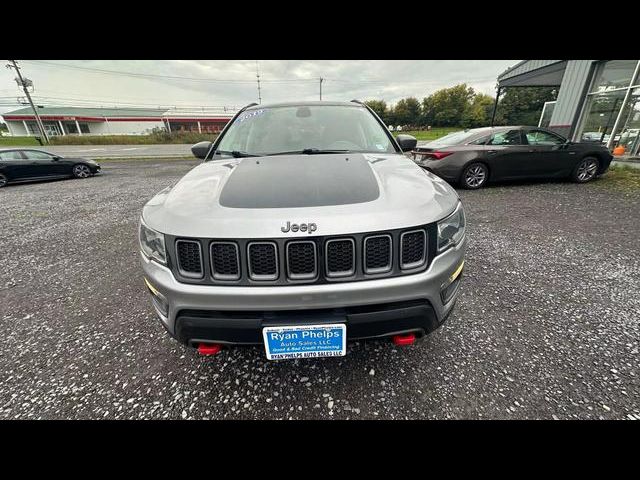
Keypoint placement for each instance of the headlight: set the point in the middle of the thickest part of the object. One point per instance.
(451, 229)
(152, 244)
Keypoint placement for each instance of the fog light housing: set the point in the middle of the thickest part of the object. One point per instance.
(450, 287)
(158, 300)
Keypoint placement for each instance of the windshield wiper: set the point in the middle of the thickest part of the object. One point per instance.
(235, 153)
(309, 151)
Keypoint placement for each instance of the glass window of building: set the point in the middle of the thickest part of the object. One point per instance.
(613, 74)
(629, 128)
(547, 113)
(600, 115)
(612, 110)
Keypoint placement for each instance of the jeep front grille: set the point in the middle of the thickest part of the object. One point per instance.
(302, 259)
(189, 258)
(263, 261)
(302, 263)
(378, 254)
(413, 251)
(225, 261)
(340, 257)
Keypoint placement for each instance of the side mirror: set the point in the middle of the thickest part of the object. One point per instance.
(56, 158)
(201, 149)
(406, 142)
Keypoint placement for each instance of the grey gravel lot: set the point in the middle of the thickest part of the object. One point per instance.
(547, 325)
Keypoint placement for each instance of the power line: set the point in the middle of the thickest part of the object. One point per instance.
(169, 77)
(97, 98)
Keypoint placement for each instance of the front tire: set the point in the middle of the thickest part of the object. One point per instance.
(81, 171)
(3, 180)
(586, 170)
(474, 176)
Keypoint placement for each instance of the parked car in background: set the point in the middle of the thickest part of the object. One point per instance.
(595, 137)
(27, 165)
(474, 157)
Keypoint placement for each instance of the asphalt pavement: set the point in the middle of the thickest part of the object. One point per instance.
(547, 325)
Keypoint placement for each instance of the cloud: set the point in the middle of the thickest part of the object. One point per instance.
(281, 80)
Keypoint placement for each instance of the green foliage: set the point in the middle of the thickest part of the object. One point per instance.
(407, 112)
(380, 107)
(447, 107)
(18, 141)
(621, 177)
(460, 106)
(428, 135)
(478, 112)
(157, 136)
(523, 105)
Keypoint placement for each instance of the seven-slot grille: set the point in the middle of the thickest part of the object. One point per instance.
(189, 258)
(413, 251)
(263, 261)
(378, 254)
(319, 260)
(302, 261)
(340, 257)
(225, 261)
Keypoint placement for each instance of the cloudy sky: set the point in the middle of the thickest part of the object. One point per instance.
(212, 83)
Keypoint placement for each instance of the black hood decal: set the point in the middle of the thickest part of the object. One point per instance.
(291, 181)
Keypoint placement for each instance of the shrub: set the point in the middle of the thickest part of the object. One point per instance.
(155, 137)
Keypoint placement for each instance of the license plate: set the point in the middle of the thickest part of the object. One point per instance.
(305, 341)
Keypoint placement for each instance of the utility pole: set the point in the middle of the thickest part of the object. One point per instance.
(321, 80)
(258, 77)
(24, 83)
(495, 106)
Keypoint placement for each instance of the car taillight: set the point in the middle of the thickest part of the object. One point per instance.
(439, 155)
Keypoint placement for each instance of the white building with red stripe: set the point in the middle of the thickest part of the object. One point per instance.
(115, 121)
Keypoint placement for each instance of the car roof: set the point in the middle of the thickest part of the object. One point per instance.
(24, 150)
(501, 128)
(498, 128)
(304, 104)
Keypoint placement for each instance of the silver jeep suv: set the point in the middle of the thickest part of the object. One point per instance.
(304, 227)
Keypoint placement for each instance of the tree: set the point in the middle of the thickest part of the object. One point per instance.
(478, 112)
(446, 107)
(378, 106)
(407, 112)
(523, 105)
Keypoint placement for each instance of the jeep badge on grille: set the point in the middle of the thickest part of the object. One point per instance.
(302, 227)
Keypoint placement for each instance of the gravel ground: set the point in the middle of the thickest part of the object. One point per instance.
(547, 325)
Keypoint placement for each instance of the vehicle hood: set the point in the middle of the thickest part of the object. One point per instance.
(254, 197)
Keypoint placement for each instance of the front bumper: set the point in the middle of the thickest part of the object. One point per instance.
(371, 308)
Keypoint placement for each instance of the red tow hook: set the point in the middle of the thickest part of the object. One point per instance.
(406, 339)
(209, 348)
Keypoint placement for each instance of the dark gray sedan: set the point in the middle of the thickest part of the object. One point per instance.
(26, 165)
(474, 157)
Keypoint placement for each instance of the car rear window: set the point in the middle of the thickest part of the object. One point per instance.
(456, 138)
(10, 155)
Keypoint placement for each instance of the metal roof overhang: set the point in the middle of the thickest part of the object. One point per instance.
(548, 76)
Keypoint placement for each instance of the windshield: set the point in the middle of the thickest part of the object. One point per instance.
(305, 129)
(456, 138)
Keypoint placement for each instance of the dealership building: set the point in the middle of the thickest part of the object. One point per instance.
(598, 100)
(113, 121)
